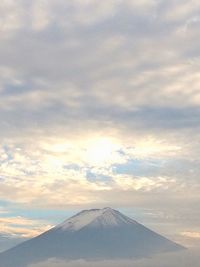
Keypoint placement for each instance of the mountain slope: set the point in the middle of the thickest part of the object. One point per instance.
(91, 234)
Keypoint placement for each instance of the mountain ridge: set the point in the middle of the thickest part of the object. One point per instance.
(96, 234)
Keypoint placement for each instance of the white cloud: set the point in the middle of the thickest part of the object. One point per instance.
(181, 9)
(12, 15)
(195, 235)
(20, 227)
(41, 16)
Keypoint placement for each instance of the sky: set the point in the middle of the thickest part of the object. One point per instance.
(99, 106)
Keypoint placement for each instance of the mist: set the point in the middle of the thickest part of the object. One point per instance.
(183, 259)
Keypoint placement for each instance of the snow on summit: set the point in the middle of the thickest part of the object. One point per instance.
(95, 218)
(97, 234)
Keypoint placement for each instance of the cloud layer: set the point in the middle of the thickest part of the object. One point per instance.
(168, 260)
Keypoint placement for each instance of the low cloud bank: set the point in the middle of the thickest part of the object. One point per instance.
(183, 259)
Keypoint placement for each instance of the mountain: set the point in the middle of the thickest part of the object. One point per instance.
(91, 234)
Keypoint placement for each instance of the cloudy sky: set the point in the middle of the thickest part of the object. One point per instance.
(99, 106)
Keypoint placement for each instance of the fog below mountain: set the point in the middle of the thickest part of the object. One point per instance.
(178, 259)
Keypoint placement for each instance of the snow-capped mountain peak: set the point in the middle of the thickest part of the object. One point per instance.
(97, 234)
(95, 218)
